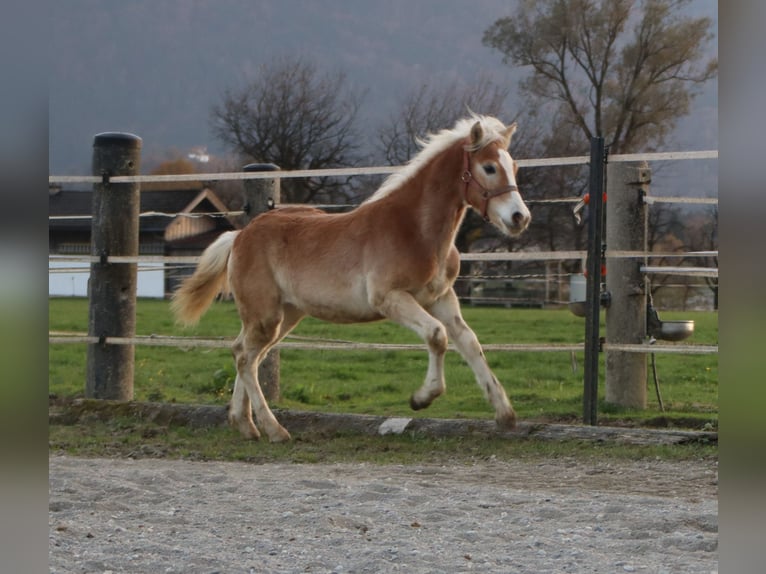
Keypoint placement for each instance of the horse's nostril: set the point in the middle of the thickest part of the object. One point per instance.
(518, 218)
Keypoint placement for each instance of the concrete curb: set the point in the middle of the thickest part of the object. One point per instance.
(332, 424)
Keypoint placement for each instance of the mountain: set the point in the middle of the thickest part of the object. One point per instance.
(156, 68)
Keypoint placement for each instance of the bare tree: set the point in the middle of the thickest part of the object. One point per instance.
(680, 229)
(298, 117)
(625, 70)
(664, 234)
(433, 107)
(702, 235)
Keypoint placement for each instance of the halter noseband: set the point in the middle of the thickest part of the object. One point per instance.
(486, 194)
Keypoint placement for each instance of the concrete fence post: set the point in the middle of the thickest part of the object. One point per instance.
(112, 286)
(627, 183)
(260, 196)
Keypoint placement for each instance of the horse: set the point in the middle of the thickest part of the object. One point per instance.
(392, 257)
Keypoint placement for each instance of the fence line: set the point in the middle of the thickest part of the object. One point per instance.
(663, 349)
(478, 256)
(664, 156)
(688, 271)
(334, 345)
(211, 214)
(291, 343)
(191, 260)
(236, 213)
(374, 170)
(649, 200)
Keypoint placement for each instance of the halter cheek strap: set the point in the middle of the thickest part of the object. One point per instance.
(486, 194)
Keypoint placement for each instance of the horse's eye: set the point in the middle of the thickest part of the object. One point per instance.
(489, 169)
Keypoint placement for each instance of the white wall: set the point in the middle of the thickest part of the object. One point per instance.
(71, 283)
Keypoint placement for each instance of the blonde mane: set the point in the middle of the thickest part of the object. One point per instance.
(434, 144)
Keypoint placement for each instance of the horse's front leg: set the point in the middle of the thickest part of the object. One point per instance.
(402, 308)
(447, 310)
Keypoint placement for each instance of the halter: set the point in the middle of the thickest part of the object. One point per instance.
(467, 178)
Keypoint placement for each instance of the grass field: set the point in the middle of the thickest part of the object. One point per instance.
(542, 386)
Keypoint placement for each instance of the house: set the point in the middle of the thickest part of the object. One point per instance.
(172, 222)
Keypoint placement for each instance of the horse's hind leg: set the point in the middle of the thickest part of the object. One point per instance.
(248, 394)
(240, 409)
(250, 348)
(447, 310)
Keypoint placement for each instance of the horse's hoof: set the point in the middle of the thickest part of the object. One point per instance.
(506, 421)
(280, 436)
(415, 405)
(249, 433)
(247, 429)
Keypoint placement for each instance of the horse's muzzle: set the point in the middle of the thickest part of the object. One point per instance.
(519, 222)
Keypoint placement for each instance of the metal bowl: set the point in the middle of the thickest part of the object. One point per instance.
(577, 308)
(676, 330)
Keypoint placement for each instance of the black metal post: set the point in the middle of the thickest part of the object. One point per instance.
(112, 286)
(593, 280)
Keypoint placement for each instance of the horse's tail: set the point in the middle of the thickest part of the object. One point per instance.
(196, 293)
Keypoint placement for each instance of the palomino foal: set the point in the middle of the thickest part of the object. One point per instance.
(393, 257)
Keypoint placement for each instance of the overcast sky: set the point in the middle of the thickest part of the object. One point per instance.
(156, 68)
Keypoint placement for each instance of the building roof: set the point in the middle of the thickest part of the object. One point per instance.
(70, 210)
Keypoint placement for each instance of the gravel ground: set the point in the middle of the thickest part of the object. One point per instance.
(150, 515)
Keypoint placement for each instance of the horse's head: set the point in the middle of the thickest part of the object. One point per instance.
(489, 175)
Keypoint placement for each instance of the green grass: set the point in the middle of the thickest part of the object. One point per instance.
(542, 386)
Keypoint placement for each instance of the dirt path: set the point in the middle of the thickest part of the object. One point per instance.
(150, 515)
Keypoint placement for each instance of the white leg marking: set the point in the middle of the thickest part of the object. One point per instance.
(241, 412)
(447, 310)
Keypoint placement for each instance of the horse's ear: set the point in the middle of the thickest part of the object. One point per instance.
(508, 132)
(476, 133)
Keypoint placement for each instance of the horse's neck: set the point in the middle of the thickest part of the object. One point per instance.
(429, 203)
(440, 208)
